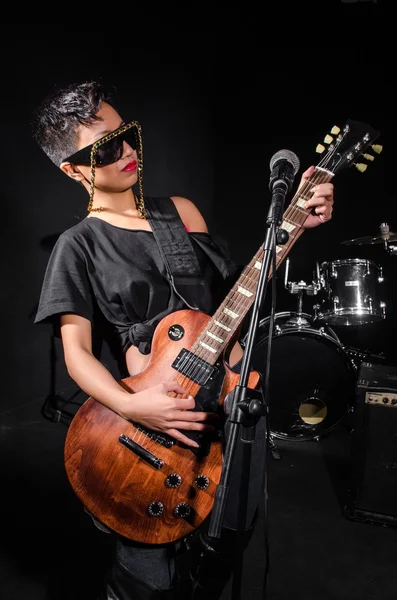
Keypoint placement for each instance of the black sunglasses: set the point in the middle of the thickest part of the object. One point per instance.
(108, 149)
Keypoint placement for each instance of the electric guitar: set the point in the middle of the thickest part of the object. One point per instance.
(145, 485)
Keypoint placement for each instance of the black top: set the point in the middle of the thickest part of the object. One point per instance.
(116, 278)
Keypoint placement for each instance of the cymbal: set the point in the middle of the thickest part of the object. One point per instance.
(390, 236)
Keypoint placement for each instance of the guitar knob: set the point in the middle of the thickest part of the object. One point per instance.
(155, 509)
(201, 482)
(173, 481)
(182, 510)
(361, 167)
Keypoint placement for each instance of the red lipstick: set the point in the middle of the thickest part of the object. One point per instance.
(131, 166)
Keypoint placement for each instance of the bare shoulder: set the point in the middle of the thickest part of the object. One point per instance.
(190, 214)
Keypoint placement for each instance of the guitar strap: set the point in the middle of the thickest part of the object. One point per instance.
(187, 280)
(183, 269)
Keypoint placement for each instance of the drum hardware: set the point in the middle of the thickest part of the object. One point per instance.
(385, 237)
(299, 288)
(349, 292)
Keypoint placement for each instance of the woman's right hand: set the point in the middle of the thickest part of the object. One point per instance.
(155, 409)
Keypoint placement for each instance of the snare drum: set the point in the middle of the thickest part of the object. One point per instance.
(350, 292)
(312, 379)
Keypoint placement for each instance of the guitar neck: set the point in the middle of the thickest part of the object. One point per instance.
(220, 330)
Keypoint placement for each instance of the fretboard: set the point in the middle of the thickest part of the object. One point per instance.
(219, 331)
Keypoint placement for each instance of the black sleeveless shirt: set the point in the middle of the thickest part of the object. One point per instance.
(116, 278)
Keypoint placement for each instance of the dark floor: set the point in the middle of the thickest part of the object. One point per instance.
(50, 549)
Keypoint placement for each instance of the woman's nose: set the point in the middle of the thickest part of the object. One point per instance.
(127, 149)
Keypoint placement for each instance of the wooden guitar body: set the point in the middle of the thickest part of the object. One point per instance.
(130, 494)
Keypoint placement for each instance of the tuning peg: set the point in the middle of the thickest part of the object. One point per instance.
(361, 167)
(335, 130)
(320, 148)
(377, 148)
(328, 139)
(369, 157)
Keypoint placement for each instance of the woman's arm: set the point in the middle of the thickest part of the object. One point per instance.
(87, 371)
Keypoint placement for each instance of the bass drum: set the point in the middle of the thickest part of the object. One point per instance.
(311, 379)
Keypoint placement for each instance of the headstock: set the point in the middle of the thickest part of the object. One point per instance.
(347, 146)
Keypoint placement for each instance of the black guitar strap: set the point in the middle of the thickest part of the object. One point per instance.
(176, 249)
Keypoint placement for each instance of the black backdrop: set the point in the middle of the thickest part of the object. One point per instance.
(213, 112)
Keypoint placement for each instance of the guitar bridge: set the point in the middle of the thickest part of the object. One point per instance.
(159, 438)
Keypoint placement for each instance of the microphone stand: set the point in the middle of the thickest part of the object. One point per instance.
(247, 405)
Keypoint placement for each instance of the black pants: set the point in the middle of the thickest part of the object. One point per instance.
(190, 569)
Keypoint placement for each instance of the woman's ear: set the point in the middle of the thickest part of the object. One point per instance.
(71, 171)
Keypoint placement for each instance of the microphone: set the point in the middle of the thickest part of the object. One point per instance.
(283, 167)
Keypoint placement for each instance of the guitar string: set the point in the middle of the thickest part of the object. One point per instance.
(292, 213)
(241, 300)
(231, 301)
(245, 276)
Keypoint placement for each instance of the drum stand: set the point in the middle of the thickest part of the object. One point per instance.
(299, 288)
(391, 249)
(387, 238)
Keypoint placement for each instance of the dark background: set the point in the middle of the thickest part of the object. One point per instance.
(212, 114)
(214, 107)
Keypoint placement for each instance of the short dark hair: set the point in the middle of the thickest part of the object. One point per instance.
(56, 118)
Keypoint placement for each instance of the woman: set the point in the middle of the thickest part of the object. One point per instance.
(106, 276)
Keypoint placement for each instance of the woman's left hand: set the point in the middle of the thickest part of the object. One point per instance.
(321, 202)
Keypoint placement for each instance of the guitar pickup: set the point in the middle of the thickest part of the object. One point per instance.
(193, 367)
(144, 454)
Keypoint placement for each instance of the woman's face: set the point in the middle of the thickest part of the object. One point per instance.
(118, 176)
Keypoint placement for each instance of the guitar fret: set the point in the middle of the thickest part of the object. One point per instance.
(301, 202)
(230, 313)
(305, 196)
(293, 232)
(214, 337)
(207, 347)
(300, 215)
(222, 325)
(245, 292)
(288, 225)
(248, 282)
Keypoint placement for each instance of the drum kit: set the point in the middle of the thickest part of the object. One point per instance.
(313, 373)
